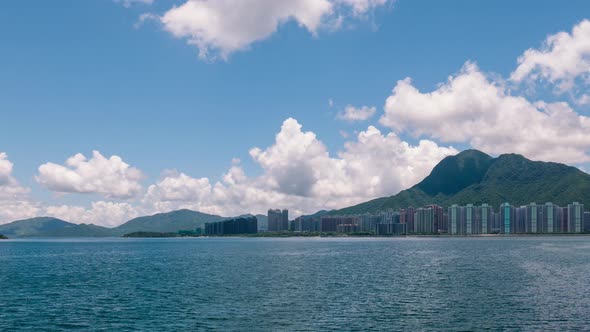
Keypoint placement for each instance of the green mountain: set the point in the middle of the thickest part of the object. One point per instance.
(474, 177)
(51, 227)
(81, 230)
(166, 222)
(170, 222)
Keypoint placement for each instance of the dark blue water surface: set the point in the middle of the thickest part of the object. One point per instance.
(300, 284)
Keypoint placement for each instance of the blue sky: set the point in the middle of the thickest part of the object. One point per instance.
(78, 76)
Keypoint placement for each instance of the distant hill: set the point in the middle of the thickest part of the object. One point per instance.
(469, 177)
(81, 230)
(170, 222)
(474, 177)
(51, 227)
(166, 222)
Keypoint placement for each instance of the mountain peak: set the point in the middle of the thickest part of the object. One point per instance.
(457, 172)
(474, 177)
(39, 225)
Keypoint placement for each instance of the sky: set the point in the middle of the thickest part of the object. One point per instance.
(113, 109)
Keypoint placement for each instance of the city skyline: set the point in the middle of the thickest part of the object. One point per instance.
(130, 108)
(456, 219)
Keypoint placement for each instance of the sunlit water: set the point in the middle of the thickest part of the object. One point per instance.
(248, 284)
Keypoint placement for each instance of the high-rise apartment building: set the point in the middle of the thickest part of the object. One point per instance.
(507, 218)
(563, 225)
(487, 216)
(278, 221)
(455, 217)
(471, 220)
(575, 217)
(407, 217)
(428, 219)
(549, 217)
(368, 222)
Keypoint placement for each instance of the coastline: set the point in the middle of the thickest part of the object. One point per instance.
(283, 236)
(397, 236)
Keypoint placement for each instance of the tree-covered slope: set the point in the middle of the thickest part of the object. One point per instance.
(33, 226)
(474, 177)
(52, 227)
(81, 230)
(166, 222)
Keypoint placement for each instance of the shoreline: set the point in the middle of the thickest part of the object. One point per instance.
(315, 236)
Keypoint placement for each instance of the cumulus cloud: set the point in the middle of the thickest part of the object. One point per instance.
(361, 7)
(289, 163)
(179, 188)
(110, 177)
(14, 201)
(5, 169)
(384, 164)
(583, 100)
(9, 186)
(299, 174)
(225, 26)
(129, 3)
(17, 209)
(352, 113)
(563, 58)
(101, 213)
(471, 108)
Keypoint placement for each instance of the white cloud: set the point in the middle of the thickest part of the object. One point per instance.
(145, 17)
(563, 58)
(384, 164)
(352, 113)
(178, 187)
(9, 186)
(111, 177)
(583, 100)
(299, 174)
(14, 203)
(471, 108)
(361, 7)
(5, 169)
(108, 214)
(225, 26)
(17, 208)
(289, 163)
(129, 3)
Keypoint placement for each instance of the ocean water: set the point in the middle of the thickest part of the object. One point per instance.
(296, 284)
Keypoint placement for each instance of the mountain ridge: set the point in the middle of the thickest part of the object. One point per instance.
(468, 177)
(172, 221)
(475, 177)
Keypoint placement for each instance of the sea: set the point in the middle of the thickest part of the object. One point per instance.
(532, 283)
